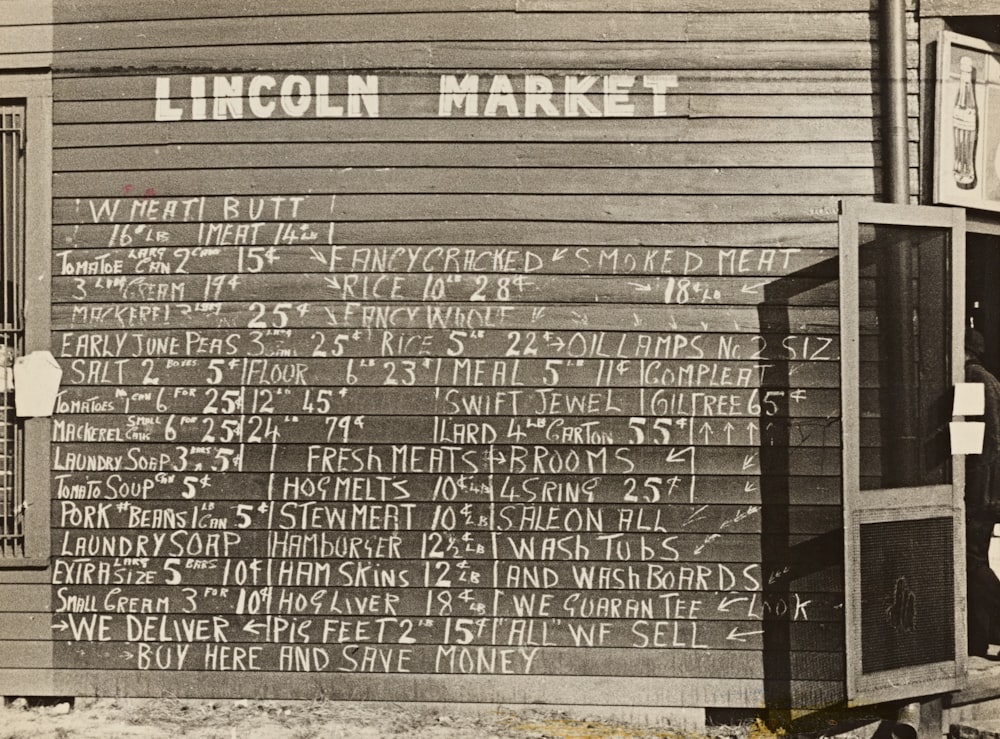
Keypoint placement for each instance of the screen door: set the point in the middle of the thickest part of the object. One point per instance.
(902, 307)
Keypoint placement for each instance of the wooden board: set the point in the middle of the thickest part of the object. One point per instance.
(819, 154)
(479, 180)
(694, 81)
(322, 209)
(461, 131)
(460, 24)
(427, 105)
(777, 55)
(495, 233)
(79, 11)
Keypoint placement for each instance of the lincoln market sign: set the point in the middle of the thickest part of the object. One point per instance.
(355, 96)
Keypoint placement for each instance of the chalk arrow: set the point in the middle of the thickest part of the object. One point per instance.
(729, 428)
(752, 289)
(750, 487)
(706, 428)
(726, 602)
(748, 460)
(332, 283)
(641, 287)
(737, 635)
(318, 257)
(678, 454)
(559, 254)
(61, 626)
(695, 516)
(255, 627)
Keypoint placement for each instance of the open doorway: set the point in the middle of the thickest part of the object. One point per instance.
(982, 310)
(982, 292)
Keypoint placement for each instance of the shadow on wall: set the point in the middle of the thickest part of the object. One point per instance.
(788, 557)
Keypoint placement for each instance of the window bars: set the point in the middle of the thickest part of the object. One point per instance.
(12, 503)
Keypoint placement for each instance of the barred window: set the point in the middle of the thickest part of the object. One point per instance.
(12, 209)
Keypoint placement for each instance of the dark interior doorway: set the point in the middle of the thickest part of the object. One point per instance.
(982, 292)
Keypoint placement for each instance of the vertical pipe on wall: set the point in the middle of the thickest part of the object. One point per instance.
(892, 79)
(900, 333)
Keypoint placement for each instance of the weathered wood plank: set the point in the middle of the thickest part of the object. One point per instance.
(694, 81)
(586, 548)
(28, 12)
(486, 689)
(517, 372)
(534, 290)
(471, 26)
(128, 253)
(569, 55)
(26, 598)
(92, 11)
(737, 402)
(427, 106)
(635, 633)
(36, 680)
(768, 608)
(502, 232)
(333, 154)
(702, 6)
(24, 40)
(536, 130)
(758, 24)
(414, 520)
(612, 180)
(612, 662)
(596, 208)
(79, 11)
(25, 626)
(944, 8)
(524, 488)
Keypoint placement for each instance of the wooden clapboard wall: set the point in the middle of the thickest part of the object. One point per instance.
(453, 407)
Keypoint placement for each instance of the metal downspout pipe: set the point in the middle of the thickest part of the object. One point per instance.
(892, 79)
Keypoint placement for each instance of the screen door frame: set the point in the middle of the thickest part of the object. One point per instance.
(897, 504)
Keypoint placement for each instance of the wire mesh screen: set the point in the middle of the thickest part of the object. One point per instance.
(907, 593)
(12, 501)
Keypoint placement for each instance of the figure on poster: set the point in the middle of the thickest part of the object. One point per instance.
(965, 127)
(982, 507)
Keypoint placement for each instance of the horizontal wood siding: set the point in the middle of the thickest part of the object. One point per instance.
(490, 405)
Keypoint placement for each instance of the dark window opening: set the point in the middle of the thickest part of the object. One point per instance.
(12, 229)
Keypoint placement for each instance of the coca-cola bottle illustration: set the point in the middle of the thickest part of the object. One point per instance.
(965, 127)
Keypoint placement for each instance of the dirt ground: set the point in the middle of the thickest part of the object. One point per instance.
(205, 719)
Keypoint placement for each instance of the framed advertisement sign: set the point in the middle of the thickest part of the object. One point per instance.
(967, 123)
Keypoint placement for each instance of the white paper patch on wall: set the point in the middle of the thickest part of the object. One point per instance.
(967, 437)
(36, 384)
(970, 399)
